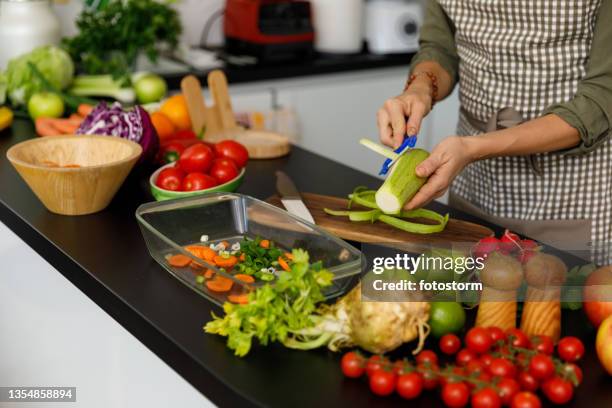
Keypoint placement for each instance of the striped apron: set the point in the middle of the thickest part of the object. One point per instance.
(523, 56)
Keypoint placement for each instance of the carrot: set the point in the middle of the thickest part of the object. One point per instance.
(264, 243)
(44, 127)
(288, 255)
(242, 257)
(209, 273)
(84, 109)
(196, 266)
(219, 284)
(226, 244)
(225, 262)
(179, 260)
(283, 264)
(202, 252)
(241, 299)
(245, 278)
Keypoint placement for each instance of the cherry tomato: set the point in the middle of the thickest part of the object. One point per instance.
(427, 357)
(455, 394)
(464, 356)
(543, 344)
(496, 334)
(196, 158)
(541, 367)
(352, 364)
(570, 349)
(430, 378)
(224, 170)
(518, 338)
(526, 399)
(399, 367)
(184, 134)
(507, 389)
(502, 367)
(170, 178)
(573, 373)
(557, 390)
(509, 242)
(485, 246)
(527, 381)
(486, 398)
(375, 363)
(522, 360)
(478, 339)
(450, 344)
(409, 386)
(171, 151)
(230, 149)
(475, 366)
(198, 181)
(382, 382)
(486, 359)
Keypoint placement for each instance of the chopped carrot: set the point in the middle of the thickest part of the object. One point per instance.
(44, 127)
(202, 252)
(84, 109)
(242, 257)
(196, 266)
(226, 244)
(179, 260)
(219, 284)
(209, 273)
(283, 264)
(264, 243)
(241, 299)
(288, 255)
(245, 278)
(225, 262)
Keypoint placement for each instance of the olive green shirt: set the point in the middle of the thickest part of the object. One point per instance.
(590, 111)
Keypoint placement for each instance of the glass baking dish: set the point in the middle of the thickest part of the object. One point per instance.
(169, 226)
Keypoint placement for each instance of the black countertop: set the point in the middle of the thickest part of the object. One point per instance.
(319, 65)
(105, 256)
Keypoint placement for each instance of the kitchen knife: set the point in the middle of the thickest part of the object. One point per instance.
(290, 197)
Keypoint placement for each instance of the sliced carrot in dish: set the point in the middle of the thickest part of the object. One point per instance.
(288, 255)
(225, 262)
(196, 266)
(209, 273)
(202, 252)
(283, 264)
(241, 299)
(245, 278)
(264, 243)
(242, 257)
(219, 284)
(179, 260)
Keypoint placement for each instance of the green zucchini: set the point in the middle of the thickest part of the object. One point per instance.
(402, 183)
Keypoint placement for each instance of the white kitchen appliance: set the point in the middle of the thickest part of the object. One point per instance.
(392, 26)
(338, 25)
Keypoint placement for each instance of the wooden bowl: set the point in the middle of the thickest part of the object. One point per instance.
(74, 175)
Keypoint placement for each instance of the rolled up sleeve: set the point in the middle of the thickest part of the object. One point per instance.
(437, 41)
(590, 111)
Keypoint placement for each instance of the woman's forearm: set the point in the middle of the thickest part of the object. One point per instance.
(445, 82)
(546, 134)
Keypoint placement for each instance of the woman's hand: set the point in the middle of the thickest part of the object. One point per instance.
(447, 159)
(413, 104)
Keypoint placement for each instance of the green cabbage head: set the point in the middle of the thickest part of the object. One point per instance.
(53, 62)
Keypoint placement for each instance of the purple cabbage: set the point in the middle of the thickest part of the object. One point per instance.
(134, 125)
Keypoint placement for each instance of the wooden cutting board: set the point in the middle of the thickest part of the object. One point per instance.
(456, 230)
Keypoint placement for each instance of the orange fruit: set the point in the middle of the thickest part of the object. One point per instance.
(175, 108)
(163, 125)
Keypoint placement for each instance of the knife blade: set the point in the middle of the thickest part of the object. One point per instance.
(291, 198)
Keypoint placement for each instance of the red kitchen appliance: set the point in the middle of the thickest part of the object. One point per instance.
(271, 30)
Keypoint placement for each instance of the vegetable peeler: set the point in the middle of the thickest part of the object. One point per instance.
(407, 144)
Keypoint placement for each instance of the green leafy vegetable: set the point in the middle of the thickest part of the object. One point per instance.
(54, 65)
(274, 311)
(257, 260)
(111, 37)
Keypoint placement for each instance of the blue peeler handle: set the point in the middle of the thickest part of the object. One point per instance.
(408, 143)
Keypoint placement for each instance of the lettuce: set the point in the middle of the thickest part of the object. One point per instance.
(53, 63)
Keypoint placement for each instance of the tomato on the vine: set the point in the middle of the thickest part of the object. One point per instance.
(478, 339)
(502, 367)
(374, 364)
(450, 344)
(430, 378)
(409, 386)
(541, 367)
(353, 365)
(518, 338)
(382, 382)
(464, 356)
(527, 381)
(496, 334)
(427, 357)
(455, 394)
(526, 399)
(543, 344)
(486, 398)
(475, 366)
(486, 359)
(507, 389)
(573, 373)
(558, 390)
(570, 349)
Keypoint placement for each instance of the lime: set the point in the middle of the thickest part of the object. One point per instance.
(446, 317)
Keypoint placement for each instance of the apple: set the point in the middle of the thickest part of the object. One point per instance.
(603, 344)
(597, 295)
(45, 104)
(150, 88)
